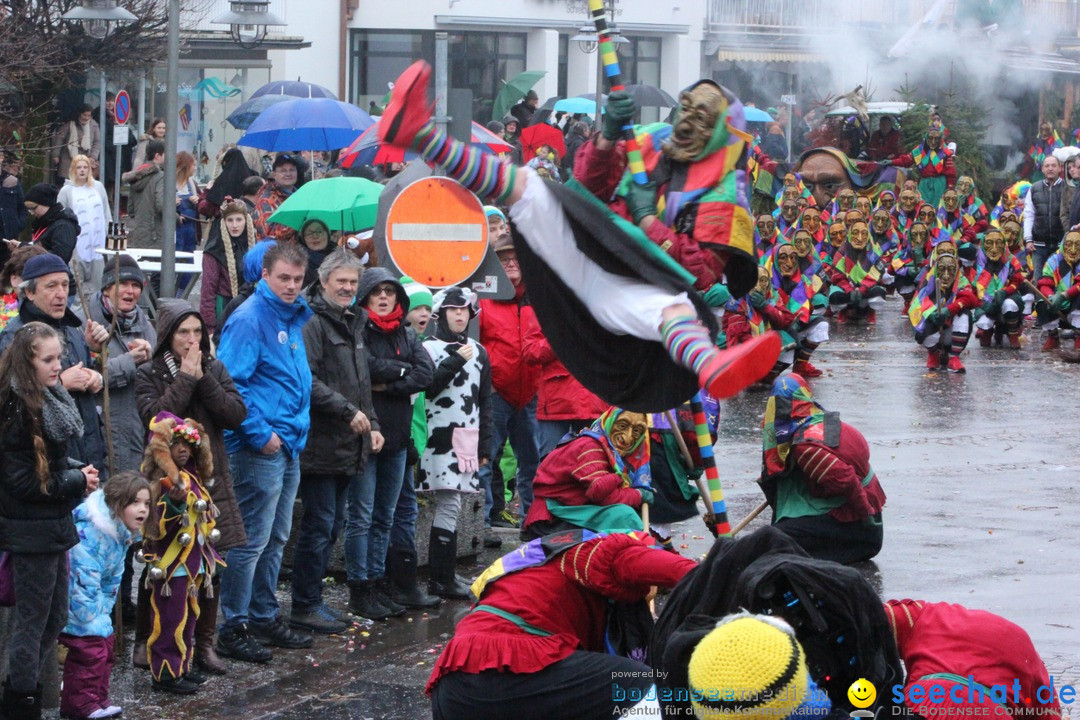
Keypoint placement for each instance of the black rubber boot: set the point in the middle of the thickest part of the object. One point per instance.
(364, 602)
(404, 590)
(381, 588)
(20, 706)
(442, 552)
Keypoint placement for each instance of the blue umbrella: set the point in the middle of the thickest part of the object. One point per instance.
(577, 105)
(294, 88)
(753, 114)
(307, 124)
(245, 114)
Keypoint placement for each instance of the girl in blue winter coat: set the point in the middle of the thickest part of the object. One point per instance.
(108, 522)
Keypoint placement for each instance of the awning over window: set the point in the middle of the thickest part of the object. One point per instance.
(768, 56)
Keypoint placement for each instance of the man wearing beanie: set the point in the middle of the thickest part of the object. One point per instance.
(54, 227)
(129, 347)
(45, 282)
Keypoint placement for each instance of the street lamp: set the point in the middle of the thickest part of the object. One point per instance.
(588, 40)
(248, 21)
(99, 17)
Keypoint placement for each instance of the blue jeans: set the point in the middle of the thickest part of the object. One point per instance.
(372, 498)
(520, 426)
(323, 500)
(403, 531)
(265, 488)
(552, 431)
(1039, 258)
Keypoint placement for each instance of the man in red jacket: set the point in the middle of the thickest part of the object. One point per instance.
(504, 327)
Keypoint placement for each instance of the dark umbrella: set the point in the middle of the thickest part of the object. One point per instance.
(650, 96)
(242, 117)
(294, 88)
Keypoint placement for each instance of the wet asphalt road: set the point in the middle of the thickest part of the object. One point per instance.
(981, 474)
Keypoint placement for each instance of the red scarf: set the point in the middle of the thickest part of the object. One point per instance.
(389, 322)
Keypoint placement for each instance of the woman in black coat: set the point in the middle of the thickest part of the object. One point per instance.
(39, 487)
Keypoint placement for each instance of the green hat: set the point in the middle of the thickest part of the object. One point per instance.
(418, 293)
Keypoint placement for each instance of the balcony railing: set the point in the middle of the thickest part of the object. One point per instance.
(819, 17)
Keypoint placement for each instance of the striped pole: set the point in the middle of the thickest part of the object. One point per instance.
(614, 75)
(712, 477)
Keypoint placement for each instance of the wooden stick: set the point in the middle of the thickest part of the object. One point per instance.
(703, 489)
(753, 514)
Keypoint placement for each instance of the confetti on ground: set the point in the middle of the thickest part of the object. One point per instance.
(684, 546)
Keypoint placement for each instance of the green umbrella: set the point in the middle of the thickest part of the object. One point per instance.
(342, 203)
(514, 91)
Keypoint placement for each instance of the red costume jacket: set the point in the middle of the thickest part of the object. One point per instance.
(566, 596)
(839, 471)
(560, 396)
(949, 170)
(578, 473)
(945, 638)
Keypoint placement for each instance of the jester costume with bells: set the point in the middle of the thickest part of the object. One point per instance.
(933, 162)
(597, 481)
(1060, 285)
(178, 541)
(941, 311)
(817, 477)
(857, 289)
(998, 278)
(601, 291)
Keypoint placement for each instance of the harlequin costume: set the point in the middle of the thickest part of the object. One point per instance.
(1060, 285)
(534, 644)
(857, 290)
(933, 162)
(792, 293)
(766, 235)
(905, 211)
(953, 224)
(972, 660)
(674, 475)
(813, 269)
(1043, 147)
(1011, 200)
(973, 207)
(598, 284)
(997, 277)
(943, 303)
(588, 483)
(906, 262)
(178, 544)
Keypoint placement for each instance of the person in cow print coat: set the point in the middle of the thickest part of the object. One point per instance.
(459, 419)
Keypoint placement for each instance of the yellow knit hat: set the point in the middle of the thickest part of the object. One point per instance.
(749, 667)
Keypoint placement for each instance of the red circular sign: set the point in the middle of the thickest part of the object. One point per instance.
(122, 110)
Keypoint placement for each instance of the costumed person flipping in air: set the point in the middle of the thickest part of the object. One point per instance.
(998, 278)
(817, 477)
(941, 311)
(601, 290)
(178, 546)
(597, 481)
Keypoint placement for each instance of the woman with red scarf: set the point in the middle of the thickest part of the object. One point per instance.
(399, 367)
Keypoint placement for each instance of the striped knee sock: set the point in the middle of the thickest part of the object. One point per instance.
(687, 342)
(805, 350)
(959, 342)
(481, 172)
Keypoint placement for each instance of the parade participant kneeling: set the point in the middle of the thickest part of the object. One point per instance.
(817, 477)
(534, 645)
(942, 305)
(974, 662)
(596, 481)
(1060, 284)
(794, 292)
(857, 291)
(997, 278)
(751, 667)
(178, 546)
(459, 423)
(601, 290)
